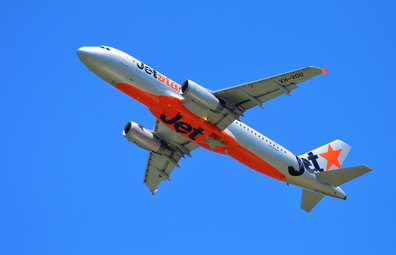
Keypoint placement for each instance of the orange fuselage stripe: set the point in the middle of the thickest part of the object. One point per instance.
(171, 107)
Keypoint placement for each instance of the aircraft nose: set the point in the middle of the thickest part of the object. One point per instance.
(88, 56)
(83, 53)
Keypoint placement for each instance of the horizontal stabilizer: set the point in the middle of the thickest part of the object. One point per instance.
(340, 176)
(309, 199)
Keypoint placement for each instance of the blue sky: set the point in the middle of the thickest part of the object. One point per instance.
(71, 184)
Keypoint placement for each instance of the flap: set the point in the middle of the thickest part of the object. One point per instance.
(159, 167)
(266, 89)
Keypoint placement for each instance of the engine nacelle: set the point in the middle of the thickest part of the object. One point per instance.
(142, 137)
(200, 96)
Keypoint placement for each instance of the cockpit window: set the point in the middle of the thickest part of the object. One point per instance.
(105, 48)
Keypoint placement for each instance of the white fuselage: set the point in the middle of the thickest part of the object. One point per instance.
(116, 67)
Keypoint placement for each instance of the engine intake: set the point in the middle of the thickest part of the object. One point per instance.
(200, 96)
(142, 137)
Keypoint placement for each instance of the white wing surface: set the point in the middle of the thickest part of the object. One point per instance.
(255, 93)
(159, 167)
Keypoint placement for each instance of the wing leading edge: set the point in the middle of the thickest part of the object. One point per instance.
(255, 93)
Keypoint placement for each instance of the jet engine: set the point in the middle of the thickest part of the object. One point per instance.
(201, 96)
(142, 137)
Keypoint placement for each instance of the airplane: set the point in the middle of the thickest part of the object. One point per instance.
(189, 116)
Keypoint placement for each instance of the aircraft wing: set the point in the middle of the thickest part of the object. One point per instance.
(255, 93)
(159, 167)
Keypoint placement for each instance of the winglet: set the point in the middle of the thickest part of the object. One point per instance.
(324, 70)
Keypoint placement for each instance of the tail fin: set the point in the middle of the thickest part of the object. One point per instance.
(328, 157)
(326, 162)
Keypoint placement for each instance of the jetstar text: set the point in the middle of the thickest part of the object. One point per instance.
(158, 76)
